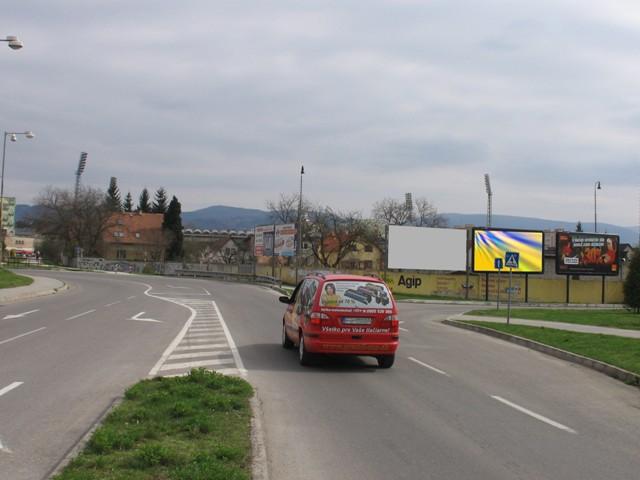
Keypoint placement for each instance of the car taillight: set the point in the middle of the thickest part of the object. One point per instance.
(393, 319)
(317, 317)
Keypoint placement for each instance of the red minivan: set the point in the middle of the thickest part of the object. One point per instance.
(341, 314)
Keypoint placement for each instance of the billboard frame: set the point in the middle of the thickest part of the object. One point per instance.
(485, 229)
(588, 274)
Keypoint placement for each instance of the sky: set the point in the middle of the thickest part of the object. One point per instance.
(222, 102)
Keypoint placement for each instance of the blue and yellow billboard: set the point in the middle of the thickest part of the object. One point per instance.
(489, 244)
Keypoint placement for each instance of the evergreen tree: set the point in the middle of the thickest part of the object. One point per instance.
(632, 282)
(128, 203)
(143, 202)
(160, 202)
(579, 226)
(172, 224)
(113, 196)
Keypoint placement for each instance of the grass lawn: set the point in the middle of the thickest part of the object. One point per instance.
(195, 427)
(9, 279)
(600, 318)
(619, 351)
(413, 296)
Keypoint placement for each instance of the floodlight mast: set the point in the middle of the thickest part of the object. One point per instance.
(487, 185)
(81, 166)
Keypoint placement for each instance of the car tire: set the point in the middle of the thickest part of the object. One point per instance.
(386, 361)
(286, 341)
(303, 354)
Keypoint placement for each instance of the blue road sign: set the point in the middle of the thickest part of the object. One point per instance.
(497, 263)
(512, 259)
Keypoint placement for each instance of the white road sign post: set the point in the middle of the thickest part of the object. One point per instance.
(511, 260)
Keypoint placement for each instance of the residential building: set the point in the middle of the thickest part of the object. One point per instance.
(134, 236)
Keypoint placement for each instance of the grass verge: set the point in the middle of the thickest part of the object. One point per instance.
(618, 351)
(600, 318)
(195, 427)
(9, 279)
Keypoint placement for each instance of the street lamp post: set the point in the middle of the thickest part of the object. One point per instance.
(299, 245)
(14, 137)
(596, 187)
(14, 42)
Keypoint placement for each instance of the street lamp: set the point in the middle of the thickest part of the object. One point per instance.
(596, 187)
(299, 245)
(14, 42)
(13, 136)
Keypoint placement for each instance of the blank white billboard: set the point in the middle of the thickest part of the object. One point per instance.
(419, 248)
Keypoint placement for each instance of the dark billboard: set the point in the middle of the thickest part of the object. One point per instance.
(587, 254)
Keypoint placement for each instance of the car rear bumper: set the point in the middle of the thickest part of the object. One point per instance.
(316, 344)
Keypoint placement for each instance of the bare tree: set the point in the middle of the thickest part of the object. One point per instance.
(428, 214)
(73, 221)
(285, 209)
(391, 212)
(333, 235)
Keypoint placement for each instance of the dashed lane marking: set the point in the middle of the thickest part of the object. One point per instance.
(535, 415)
(81, 314)
(10, 387)
(21, 335)
(426, 365)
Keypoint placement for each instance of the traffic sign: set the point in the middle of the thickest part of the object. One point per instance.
(512, 259)
(497, 263)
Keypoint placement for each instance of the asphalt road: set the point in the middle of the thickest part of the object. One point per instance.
(456, 405)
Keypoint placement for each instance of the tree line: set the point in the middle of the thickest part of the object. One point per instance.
(68, 219)
(332, 234)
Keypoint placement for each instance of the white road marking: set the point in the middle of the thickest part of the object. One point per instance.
(131, 297)
(199, 347)
(203, 334)
(174, 286)
(403, 329)
(80, 315)
(206, 291)
(138, 318)
(211, 338)
(3, 448)
(10, 387)
(401, 322)
(537, 416)
(437, 370)
(178, 356)
(20, 314)
(200, 363)
(112, 304)
(23, 335)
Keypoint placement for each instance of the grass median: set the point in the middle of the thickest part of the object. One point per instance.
(618, 351)
(602, 318)
(194, 427)
(9, 279)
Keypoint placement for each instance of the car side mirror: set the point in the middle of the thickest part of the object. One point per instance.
(285, 299)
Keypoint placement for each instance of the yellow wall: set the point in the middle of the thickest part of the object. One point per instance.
(541, 290)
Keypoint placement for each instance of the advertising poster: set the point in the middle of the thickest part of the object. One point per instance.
(259, 239)
(9, 216)
(347, 294)
(489, 244)
(587, 254)
(286, 240)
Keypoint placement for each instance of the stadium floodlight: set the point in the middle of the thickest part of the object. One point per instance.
(596, 187)
(82, 163)
(487, 185)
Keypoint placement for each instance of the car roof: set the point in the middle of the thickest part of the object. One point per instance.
(328, 277)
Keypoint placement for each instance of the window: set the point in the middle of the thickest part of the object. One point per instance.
(121, 254)
(368, 265)
(137, 234)
(118, 234)
(368, 248)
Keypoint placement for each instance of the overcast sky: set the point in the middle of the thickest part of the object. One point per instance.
(221, 102)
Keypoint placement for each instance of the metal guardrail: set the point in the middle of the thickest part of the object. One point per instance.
(243, 277)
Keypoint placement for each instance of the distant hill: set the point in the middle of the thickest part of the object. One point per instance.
(222, 217)
(627, 234)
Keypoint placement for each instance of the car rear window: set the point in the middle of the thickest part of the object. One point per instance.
(350, 294)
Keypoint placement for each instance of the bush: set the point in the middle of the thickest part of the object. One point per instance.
(632, 283)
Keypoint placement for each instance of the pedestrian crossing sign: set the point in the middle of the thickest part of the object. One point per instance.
(511, 259)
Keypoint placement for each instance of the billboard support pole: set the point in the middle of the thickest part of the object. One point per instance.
(498, 297)
(603, 287)
(568, 280)
(526, 288)
(466, 272)
(486, 287)
(273, 254)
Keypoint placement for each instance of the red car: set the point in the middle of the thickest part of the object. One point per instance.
(341, 314)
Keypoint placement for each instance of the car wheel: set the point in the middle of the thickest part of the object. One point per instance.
(286, 342)
(304, 356)
(386, 361)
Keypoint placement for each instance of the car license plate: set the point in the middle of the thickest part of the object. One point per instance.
(356, 321)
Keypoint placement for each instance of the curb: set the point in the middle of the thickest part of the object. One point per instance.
(602, 367)
(259, 465)
(41, 293)
(82, 441)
